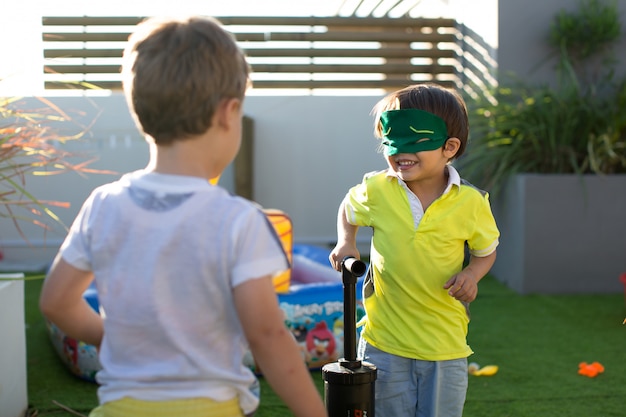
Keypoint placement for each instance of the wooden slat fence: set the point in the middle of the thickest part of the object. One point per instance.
(284, 52)
(478, 64)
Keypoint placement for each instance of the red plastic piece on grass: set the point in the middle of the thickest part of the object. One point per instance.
(591, 370)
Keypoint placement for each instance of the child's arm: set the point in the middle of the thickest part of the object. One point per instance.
(62, 302)
(464, 285)
(346, 239)
(274, 347)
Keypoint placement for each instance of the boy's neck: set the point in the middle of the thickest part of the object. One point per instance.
(190, 157)
(428, 190)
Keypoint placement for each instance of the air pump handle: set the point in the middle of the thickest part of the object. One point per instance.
(351, 269)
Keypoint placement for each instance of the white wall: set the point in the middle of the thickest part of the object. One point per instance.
(308, 151)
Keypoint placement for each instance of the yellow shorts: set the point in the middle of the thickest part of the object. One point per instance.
(192, 407)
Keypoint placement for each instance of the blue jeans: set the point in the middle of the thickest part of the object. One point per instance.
(414, 388)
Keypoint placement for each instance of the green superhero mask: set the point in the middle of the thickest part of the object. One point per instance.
(411, 131)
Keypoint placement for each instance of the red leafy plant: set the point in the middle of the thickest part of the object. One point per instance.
(31, 144)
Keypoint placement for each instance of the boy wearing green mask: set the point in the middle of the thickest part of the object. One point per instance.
(423, 215)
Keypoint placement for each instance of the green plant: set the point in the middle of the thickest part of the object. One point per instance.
(577, 126)
(30, 145)
(592, 27)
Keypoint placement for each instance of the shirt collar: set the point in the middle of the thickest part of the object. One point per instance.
(453, 177)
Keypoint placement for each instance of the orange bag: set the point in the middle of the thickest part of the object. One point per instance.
(283, 226)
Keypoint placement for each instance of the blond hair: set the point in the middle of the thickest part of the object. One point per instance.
(176, 71)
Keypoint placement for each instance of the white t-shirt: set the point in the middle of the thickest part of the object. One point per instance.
(166, 252)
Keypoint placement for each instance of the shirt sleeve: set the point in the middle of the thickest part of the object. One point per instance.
(485, 238)
(257, 250)
(75, 249)
(357, 205)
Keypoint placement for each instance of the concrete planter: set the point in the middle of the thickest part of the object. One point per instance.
(13, 389)
(562, 234)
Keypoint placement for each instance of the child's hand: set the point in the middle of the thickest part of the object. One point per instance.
(340, 252)
(462, 286)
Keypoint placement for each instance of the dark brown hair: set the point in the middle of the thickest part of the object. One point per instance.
(176, 73)
(433, 98)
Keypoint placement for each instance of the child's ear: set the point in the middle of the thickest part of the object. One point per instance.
(229, 113)
(451, 147)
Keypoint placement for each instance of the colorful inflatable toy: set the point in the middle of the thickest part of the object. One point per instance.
(314, 311)
(79, 357)
(310, 295)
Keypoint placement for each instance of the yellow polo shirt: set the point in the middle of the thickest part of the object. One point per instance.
(409, 313)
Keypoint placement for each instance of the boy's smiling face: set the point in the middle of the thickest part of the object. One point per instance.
(418, 166)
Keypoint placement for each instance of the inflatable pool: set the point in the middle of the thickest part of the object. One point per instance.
(313, 308)
(79, 357)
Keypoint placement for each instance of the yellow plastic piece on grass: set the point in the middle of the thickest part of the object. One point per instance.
(488, 370)
(476, 370)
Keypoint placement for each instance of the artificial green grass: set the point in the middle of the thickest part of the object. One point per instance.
(536, 340)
